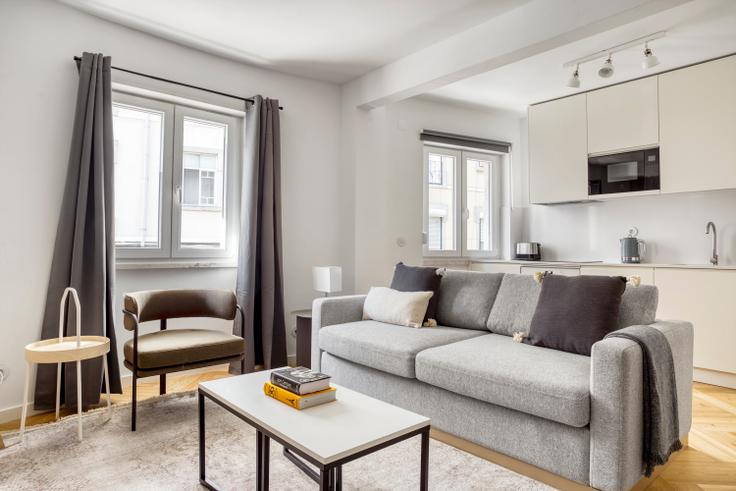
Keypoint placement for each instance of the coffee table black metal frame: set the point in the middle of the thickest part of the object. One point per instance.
(328, 476)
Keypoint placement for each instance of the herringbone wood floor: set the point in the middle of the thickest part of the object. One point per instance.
(709, 462)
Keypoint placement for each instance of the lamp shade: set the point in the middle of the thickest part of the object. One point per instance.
(327, 279)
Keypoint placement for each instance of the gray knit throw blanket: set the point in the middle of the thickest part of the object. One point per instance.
(661, 422)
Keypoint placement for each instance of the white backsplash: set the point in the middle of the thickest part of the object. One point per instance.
(673, 227)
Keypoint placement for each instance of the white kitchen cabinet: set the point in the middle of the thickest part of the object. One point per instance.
(558, 151)
(646, 274)
(705, 298)
(698, 127)
(496, 267)
(562, 271)
(623, 117)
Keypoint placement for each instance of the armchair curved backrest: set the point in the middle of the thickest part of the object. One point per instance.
(153, 305)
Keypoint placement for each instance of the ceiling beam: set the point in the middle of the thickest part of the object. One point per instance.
(533, 28)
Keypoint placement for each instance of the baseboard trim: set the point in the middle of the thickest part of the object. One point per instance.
(530, 470)
(714, 377)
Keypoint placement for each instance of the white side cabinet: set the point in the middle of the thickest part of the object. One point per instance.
(558, 151)
(698, 127)
(624, 116)
(705, 298)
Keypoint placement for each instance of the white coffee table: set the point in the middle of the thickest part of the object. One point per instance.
(326, 436)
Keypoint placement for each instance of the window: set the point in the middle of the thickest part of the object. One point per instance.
(176, 178)
(435, 169)
(461, 202)
(435, 233)
(199, 182)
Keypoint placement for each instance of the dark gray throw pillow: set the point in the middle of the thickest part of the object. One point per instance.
(418, 279)
(574, 312)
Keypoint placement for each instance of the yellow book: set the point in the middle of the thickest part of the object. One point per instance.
(297, 401)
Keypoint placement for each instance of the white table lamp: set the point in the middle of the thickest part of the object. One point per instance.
(327, 279)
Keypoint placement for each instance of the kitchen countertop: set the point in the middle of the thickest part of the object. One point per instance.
(575, 264)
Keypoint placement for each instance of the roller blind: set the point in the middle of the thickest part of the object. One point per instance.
(442, 138)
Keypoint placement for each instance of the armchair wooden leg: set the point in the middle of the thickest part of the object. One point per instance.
(162, 384)
(132, 406)
(242, 365)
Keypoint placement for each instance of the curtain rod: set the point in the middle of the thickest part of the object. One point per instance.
(161, 79)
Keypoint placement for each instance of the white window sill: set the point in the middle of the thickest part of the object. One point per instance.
(185, 264)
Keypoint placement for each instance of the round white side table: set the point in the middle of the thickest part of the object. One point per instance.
(63, 350)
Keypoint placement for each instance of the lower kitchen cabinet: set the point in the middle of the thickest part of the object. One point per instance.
(705, 298)
(571, 271)
(496, 267)
(646, 274)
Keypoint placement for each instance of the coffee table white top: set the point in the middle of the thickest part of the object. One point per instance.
(328, 432)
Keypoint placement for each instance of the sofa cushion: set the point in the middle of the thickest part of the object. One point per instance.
(386, 347)
(551, 384)
(518, 294)
(418, 279)
(394, 307)
(638, 305)
(573, 312)
(466, 297)
(515, 304)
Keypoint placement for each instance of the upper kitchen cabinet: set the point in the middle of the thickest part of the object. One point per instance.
(558, 151)
(623, 117)
(698, 127)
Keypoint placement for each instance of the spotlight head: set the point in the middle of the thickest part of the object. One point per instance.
(607, 69)
(650, 60)
(574, 81)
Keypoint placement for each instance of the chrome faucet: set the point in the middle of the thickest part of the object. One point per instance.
(708, 227)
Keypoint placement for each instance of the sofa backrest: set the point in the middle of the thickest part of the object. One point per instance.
(465, 298)
(515, 304)
(518, 294)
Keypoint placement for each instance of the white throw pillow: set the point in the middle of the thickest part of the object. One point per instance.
(394, 307)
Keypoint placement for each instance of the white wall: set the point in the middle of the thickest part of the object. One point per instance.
(673, 226)
(386, 152)
(37, 95)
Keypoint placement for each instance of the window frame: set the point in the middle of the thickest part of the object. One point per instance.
(230, 178)
(165, 183)
(461, 214)
(170, 200)
(495, 203)
(455, 251)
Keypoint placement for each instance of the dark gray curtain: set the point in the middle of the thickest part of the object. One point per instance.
(84, 252)
(259, 284)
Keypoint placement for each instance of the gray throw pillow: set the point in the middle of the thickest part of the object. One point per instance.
(574, 312)
(418, 279)
(466, 297)
(515, 305)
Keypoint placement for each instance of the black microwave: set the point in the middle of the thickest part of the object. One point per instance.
(624, 172)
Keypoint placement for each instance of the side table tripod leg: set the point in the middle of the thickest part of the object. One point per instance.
(24, 413)
(107, 386)
(79, 399)
(58, 388)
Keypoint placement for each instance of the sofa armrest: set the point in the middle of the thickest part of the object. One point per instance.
(328, 311)
(616, 392)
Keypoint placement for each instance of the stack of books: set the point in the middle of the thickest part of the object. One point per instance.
(300, 387)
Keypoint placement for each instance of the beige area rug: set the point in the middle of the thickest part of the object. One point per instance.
(163, 454)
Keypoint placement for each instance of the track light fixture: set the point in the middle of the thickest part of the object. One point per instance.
(574, 81)
(650, 59)
(607, 70)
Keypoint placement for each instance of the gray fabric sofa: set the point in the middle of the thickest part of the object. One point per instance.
(579, 417)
